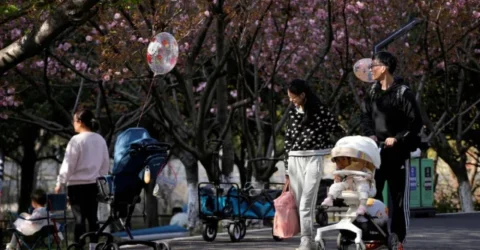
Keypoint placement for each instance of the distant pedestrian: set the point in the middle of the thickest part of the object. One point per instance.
(86, 159)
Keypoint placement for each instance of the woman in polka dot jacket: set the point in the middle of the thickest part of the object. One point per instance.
(307, 140)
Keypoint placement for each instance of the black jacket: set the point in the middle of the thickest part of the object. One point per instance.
(313, 135)
(391, 113)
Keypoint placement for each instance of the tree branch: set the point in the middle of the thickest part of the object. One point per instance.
(51, 100)
(204, 100)
(69, 13)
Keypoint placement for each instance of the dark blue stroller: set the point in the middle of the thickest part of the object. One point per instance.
(138, 159)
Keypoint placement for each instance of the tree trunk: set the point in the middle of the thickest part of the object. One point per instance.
(465, 195)
(460, 171)
(28, 137)
(464, 187)
(222, 112)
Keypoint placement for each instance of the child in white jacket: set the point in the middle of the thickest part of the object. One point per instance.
(28, 224)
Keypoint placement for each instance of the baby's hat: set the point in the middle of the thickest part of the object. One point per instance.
(359, 147)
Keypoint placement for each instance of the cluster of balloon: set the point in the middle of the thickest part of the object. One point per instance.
(162, 53)
(362, 71)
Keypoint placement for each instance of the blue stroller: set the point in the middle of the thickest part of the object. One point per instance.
(137, 161)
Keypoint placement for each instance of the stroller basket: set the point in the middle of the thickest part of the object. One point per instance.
(237, 203)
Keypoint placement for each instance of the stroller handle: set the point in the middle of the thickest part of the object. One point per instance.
(351, 172)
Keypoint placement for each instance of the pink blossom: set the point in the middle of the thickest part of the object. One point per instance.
(133, 38)
(477, 51)
(360, 5)
(39, 64)
(66, 46)
(234, 93)
(3, 116)
(476, 14)
(201, 86)
(125, 70)
(112, 24)
(117, 16)
(207, 13)
(20, 66)
(11, 90)
(106, 77)
(140, 40)
(441, 65)
(89, 38)
(15, 33)
(351, 8)
(117, 73)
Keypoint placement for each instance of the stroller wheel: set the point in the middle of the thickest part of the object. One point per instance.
(209, 231)
(319, 246)
(74, 246)
(360, 247)
(163, 246)
(276, 238)
(342, 243)
(106, 246)
(392, 241)
(321, 216)
(235, 232)
(243, 229)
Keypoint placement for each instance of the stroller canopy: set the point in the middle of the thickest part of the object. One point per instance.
(124, 140)
(359, 147)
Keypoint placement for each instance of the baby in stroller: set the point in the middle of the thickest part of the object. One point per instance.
(365, 222)
(347, 157)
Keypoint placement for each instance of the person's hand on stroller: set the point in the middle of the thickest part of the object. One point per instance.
(389, 142)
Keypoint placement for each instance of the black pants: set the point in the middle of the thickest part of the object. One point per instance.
(84, 204)
(397, 176)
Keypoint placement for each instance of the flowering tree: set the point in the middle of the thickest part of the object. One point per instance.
(235, 58)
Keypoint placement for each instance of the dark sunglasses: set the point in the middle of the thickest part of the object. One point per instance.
(372, 65)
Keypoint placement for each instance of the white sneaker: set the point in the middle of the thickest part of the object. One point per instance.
(11, 247)
(306, 244)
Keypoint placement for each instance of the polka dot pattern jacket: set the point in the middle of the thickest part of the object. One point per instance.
(313, 135)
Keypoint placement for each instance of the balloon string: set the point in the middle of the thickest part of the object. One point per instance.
(145, 104)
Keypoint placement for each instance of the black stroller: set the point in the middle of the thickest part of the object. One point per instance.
(138, 160)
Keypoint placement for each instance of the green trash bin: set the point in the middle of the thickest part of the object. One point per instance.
(414, 177)
(427, 176)
(421, 187)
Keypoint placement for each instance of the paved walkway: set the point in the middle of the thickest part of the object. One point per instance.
(449, 231)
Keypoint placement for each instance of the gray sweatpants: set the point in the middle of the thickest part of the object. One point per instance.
(305, 169)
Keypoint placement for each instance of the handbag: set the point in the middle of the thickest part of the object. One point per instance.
(286, 222)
